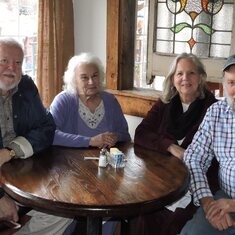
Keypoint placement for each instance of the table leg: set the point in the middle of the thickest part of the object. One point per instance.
(94, 226)
(125, 227)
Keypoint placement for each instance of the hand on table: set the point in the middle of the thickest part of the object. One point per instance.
(4, 156)
(176, 151)
(107, 139)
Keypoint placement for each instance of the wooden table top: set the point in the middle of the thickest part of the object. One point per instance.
(60, 181)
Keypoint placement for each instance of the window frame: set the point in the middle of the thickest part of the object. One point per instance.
(158, 63)
(121, 20)
(24, 38)
(120, 37)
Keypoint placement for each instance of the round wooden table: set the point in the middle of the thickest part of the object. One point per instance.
(59, 181)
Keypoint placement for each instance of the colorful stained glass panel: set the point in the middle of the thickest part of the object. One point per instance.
(196, 26)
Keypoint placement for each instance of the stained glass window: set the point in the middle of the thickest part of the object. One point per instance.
(194, 26)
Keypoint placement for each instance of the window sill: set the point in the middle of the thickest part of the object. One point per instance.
(136, 102)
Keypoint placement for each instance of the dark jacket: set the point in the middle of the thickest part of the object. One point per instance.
(152, 131)
(31, 120)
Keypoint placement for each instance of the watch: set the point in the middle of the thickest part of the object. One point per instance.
(12, 152)
(2, 192)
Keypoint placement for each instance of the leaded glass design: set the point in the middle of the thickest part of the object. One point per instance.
(202, 27)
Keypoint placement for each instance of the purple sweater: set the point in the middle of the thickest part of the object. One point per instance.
(72, 131)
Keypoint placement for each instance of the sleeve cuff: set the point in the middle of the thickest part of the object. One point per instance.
(198, 197)
(24, 145)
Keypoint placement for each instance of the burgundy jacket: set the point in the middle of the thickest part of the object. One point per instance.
(152, 131)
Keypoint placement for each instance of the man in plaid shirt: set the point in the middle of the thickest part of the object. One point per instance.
(214, 138)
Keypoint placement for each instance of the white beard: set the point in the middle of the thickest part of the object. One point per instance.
(230, 100)
(7, 88)
(231, 103)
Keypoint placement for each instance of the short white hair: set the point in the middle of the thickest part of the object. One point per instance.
(11, 42)
(83, 58)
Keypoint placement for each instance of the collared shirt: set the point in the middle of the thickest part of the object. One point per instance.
(6, 118)
(214, 138)
(6, 123)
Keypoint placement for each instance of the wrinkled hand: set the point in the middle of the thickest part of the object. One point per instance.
(218, 213)
(176, 151)
(221, 206)
(8, 209)
(4, 156)
(107, 139)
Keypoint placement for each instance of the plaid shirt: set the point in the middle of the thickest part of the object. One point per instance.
(214, 138)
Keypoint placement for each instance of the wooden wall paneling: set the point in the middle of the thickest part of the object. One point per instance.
(112, 72)
(120, 44)
(121, 25)
(135, 103)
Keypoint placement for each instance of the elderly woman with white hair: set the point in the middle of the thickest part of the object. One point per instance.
(84, 114)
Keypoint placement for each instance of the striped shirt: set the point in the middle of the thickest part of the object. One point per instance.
(214, 138)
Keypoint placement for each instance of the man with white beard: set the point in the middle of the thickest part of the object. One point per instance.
(214, 138)
(26, 128)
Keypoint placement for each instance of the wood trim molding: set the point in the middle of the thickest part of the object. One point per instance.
(120, 44)
(121, 25)
(136, 102)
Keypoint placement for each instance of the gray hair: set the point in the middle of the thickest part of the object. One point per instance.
(11, 42)
(83, 58)
(169, 91)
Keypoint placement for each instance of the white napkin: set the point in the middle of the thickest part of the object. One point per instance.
(181, 203)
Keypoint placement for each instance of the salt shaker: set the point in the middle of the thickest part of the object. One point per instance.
(103, 158)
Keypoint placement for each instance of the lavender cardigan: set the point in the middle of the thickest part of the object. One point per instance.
(72, 131)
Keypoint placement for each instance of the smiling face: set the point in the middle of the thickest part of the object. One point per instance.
(11, 58)
(87, 80)
(186, 80)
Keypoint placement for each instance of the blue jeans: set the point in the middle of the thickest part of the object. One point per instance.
(199, 225)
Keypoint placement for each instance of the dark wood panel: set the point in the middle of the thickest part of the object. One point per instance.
(120, 44)
(112, 73)
(213, 86)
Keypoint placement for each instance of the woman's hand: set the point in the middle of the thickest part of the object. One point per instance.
(8, 209)
(107, 139)
(176, 151)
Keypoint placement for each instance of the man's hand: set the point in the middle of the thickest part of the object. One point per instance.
(176, 151)
(107, 139)
(8, 209)
(217, 212)
(221, 206)
(4, 156)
